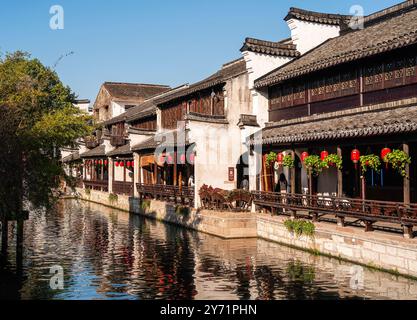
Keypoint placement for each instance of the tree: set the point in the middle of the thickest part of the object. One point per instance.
(37, 118)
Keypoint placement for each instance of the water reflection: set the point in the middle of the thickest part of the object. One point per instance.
(108, 254)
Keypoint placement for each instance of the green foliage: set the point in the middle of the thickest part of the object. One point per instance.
(271, 158)
(370, 162)
(314, 165)
(145, 205)
(333, 160)
(300, 227)
(296, 271)
(37, 118)
(399, 160)
(113, 198)
(288, 161)
(182, 210)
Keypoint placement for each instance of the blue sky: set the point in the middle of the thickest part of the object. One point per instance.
(167, 42)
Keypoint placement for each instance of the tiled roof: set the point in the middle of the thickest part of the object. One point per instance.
(318, 17)
(161, 140)
(229, 70)
(133, 91)
(143, 110)
(393, 33)
(270, 48)
(100, 151)
(379, 120)
(72, 157)
(121, 151)
(148, 144)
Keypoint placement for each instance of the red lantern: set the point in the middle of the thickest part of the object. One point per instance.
(132, 163)
(100, 162)
(280, 158)
(170, 159)
(324, 155)
(162, 159)
(385, 152)
(183, 158)
(355, 156)
(116, 163)
(304, 156)
(106, 163)
(122, 163)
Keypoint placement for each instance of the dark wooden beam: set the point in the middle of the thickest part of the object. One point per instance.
(339, 175)
(407, 187)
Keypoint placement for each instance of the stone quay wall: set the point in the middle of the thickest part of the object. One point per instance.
(384, 251)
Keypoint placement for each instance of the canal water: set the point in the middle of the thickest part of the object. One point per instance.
(108, 254)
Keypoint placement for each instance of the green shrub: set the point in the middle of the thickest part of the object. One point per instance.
(113, 198)
(145, 205)
(370, 162)
(300, 227)
(288, 161)
(271, 158)
(399, 161)
(182, 210)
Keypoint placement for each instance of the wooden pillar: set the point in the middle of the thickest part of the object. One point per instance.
(155, 173)
(341, 221)
(293, 175)
(339, 175)
(136, 174)
(111, 174)
(4, 235)
(175, 169)
(19, 239)
(407, 188)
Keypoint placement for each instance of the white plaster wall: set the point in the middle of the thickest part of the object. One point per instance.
(117, 108)
(118, 173)
(259, 64)
(135, 139)
(308, 35)
(84, 107)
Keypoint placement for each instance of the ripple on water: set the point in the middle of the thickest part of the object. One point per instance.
(108, 254)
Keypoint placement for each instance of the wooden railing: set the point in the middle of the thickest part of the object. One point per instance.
(174, 194)
(123, 188)
(367, 211)
(99, 185)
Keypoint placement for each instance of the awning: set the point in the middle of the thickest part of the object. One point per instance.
(100, 151)
(147, 161)
(75, 156)
(121, 151)
(356, 123)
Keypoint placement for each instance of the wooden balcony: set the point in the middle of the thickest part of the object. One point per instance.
(123, 188)
(117, 141)
(368, 212)
(172, 194)
(99, 185)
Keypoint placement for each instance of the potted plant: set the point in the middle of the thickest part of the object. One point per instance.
(314, 165)
(271, 158)
(333, 160)
(399, 161)
(288, 161)
(370, 162)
